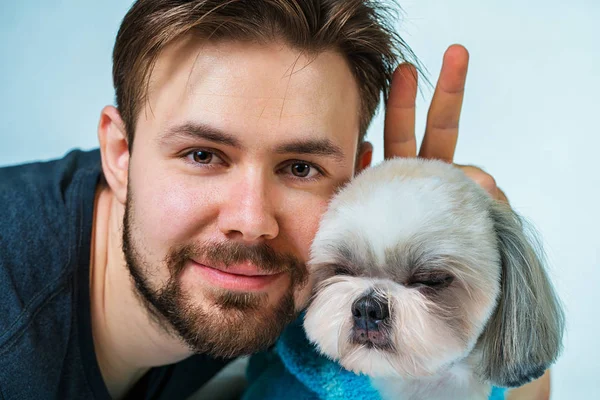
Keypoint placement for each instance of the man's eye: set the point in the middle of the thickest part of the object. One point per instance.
(302, 170)
(204, 157)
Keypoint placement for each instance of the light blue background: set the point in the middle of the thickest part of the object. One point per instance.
(531, 117)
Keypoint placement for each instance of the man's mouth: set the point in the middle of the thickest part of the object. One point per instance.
(245, 277)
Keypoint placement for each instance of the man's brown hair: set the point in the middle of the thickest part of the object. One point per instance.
(359, 30)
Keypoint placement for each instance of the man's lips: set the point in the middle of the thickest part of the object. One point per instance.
(246, 269)
(240, 277)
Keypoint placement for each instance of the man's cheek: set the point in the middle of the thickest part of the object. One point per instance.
(308, 224)
(174, 213)
(308, 229)
(302, 296)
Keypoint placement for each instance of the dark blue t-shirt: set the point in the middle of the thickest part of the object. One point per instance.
(46, 345)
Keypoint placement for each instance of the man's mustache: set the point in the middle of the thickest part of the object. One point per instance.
(223, 254)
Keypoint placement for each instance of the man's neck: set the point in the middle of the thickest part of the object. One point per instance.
(127, 342)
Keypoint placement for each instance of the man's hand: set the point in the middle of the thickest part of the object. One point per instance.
(536, 390)
(439, 141)
(441, 132)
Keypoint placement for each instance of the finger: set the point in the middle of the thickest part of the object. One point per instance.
(441, 132)
(481, 177)
(501, 196)
(399, 130)
(484, 180)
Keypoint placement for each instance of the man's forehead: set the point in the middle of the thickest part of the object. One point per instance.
(266, 81)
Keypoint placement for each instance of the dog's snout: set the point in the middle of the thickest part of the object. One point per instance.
(369, 311)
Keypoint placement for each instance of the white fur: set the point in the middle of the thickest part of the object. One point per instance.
(413, 208)
(458, 382)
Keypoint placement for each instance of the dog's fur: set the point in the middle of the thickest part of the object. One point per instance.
(392, 231)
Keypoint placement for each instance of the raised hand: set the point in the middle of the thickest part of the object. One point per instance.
(441, 132)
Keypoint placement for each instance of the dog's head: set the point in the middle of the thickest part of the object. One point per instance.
(416, 268)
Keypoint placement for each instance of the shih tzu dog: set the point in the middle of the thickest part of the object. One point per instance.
(430, 287)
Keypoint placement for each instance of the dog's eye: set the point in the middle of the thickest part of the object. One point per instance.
(341, 270)
(436, 281)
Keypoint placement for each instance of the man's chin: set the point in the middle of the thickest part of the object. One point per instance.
(235, 324)
(216, 300)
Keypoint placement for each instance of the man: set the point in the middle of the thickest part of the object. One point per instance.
(138, 270)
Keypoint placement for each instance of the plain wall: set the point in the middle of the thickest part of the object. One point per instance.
(530, 118)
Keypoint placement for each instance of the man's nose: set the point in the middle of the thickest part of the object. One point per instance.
(248, 213)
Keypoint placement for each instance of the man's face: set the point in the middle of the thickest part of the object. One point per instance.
(234, 160)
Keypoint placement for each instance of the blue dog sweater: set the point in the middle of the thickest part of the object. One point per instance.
(294, 369)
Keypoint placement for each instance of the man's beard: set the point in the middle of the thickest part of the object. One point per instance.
(241, 323)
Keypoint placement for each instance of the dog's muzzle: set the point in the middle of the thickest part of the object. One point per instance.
(370, 314)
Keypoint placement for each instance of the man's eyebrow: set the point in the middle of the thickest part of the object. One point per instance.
(192, 130)
(198, 131)
(322, 147)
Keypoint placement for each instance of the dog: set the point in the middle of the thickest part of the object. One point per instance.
(424, 288)
(430, 287)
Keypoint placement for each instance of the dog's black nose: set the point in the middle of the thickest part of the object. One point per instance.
(369, 311)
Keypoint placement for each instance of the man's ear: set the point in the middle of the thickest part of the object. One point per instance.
(114, 150)
(364, 156)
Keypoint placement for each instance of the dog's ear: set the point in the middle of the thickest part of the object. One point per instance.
(524, 334)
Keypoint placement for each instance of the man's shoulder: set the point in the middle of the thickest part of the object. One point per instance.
(44, 182)
(40, 208)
